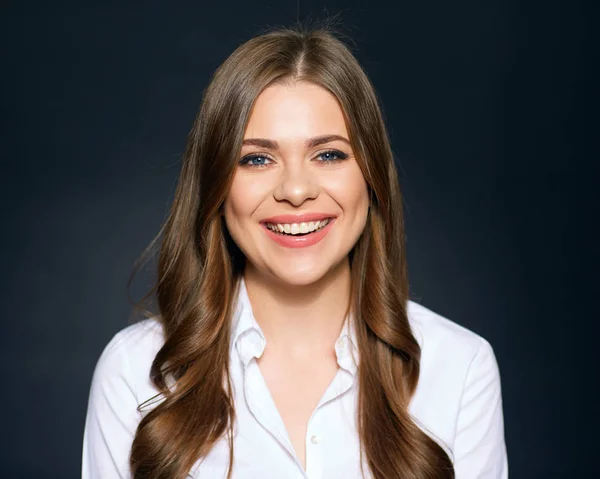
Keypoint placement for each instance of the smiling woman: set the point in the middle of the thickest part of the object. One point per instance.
(310, 174)
(285, 344)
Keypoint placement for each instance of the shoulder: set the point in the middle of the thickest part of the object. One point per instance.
(443, 339)
(120, 384)
(137, 341)
(134, 332)
(456, 365)
(126, 359)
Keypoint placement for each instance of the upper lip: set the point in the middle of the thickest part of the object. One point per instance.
(300, 218)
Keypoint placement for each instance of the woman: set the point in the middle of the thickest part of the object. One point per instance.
(286, 345)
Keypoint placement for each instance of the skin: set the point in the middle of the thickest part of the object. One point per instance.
(298, 295)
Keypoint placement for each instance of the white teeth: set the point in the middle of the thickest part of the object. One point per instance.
(297, 228)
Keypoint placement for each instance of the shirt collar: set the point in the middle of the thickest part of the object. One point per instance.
(249, 341)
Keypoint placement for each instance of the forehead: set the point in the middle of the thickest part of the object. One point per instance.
(297, 110)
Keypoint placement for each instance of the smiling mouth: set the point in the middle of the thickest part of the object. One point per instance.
(297, 229)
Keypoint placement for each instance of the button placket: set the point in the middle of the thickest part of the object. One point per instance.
(314, 445)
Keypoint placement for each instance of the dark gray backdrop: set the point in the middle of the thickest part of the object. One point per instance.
(486, 103)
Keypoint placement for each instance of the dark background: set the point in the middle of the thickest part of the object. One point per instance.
(488, 105)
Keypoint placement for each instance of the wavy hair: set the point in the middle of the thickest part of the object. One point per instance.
(199, 268)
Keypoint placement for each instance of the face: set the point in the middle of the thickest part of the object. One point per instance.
(297, 172)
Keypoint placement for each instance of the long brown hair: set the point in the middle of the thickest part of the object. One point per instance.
(199, 269)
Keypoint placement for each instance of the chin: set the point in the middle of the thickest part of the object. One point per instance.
(300, 275)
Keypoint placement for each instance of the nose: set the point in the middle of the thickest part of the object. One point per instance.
(296, 184)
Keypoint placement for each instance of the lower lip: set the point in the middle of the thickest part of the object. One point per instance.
(291, 241)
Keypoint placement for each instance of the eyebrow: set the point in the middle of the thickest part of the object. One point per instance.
(310, 142)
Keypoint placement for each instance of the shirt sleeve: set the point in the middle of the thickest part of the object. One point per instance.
(112, 417)
(479, 447)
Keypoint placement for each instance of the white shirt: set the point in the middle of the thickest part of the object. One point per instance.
(457, 402)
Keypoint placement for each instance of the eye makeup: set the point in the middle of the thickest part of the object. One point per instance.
(336, 154)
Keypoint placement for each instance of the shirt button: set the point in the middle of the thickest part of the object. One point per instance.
(314, 439)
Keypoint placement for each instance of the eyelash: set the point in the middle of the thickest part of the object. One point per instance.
(340, 157)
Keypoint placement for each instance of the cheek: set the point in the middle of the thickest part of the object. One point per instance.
(350, 192)
(234, 212)
(236, 202)
(243, 198)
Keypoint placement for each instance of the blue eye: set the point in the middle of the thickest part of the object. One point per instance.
(262, 161)
(333, 153)
(257, 161)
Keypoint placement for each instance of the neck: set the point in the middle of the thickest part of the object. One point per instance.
(300, 320)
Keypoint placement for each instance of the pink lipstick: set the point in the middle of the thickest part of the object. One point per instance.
(298, 240)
